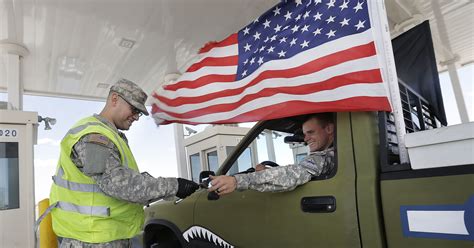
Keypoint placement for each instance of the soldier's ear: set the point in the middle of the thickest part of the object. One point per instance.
(329, 128)
(114, 98)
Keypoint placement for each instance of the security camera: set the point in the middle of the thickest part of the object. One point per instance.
(47, 122)
(190, 130)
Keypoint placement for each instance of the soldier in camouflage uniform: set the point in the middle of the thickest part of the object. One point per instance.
(318, 132)
(99, 158)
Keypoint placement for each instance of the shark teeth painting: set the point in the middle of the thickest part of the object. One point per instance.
(201, 234)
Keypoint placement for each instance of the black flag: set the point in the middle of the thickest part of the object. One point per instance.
(416, 66)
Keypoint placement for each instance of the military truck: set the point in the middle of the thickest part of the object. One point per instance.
(370, 200)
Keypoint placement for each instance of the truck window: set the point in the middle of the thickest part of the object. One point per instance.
(243, 163)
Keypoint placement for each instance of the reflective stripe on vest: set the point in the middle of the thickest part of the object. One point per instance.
(89, 210)
(82, 187)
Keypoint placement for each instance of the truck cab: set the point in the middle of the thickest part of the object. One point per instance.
(369, 200)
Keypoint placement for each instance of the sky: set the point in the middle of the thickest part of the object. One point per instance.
(152, 146)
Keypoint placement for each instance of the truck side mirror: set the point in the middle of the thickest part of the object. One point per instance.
(205, 175)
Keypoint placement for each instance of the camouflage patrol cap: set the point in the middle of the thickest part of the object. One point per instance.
(131, 93)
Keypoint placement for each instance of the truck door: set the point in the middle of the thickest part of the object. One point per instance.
(320, 213)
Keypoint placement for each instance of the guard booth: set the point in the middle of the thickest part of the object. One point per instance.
(207, 150)
(18, 133)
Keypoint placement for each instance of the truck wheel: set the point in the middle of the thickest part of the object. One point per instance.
(160, 237)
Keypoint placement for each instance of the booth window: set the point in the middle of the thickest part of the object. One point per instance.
(195, 161)
(9, 176)
(212, 161)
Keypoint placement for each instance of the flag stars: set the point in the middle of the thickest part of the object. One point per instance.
(281, 54)
(270, 49)
(344, 22)
(330, 19)
(331, 3)
(260, 61)
(295, 28)
(283, 40)
(360, 25)
(266, 24)
(304, 44)
(266, 39)
(288, 15)
(298, 2)
(316, 2)
(331, 33)
(317, 16)
(277, 28)
(246, 61)
(252, 61)
(293, 42)
(246, 30)
(306, 14)
(262, 48)
(317, 31)
(344, 5)
(256, 36)
(298, 17)
(305, 28)
(276, 11)
(247, 47)
(256, 20)
(358, 6)
(244, 73)
(274, 37)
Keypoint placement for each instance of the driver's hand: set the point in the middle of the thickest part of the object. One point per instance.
(260, 167)
(223, 185)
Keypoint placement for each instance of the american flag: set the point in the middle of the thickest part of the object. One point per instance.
(299, 57)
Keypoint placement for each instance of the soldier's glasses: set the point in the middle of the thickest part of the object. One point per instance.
(136, 111)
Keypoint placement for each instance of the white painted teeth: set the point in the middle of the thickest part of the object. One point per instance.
(203, 233)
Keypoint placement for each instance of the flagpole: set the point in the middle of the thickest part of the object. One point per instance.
(381, 29)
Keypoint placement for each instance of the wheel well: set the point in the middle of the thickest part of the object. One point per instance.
(162, 233)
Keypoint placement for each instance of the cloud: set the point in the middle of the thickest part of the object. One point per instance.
(48, 141)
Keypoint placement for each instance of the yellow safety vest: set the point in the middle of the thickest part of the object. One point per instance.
(83, 211)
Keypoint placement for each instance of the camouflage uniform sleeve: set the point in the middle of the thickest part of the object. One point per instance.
(283, 178)
(116, 180)
(286, 178)
(319, 163)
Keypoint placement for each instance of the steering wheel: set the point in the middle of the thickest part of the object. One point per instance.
(270, 163)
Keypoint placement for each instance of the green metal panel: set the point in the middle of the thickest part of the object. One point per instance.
(180, 214)
(291, 227)
(426, 191)
(365, 138)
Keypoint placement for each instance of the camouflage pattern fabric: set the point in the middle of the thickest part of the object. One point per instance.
(116, 180)
(286, 178)
(131, 93)
(120, 182)
(72, 243)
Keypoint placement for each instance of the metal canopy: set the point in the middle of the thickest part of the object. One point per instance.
(77, 48)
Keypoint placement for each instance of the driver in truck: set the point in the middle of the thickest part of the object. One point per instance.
(318, 130)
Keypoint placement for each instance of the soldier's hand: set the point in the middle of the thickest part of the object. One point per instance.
(186, 188)
(223, 184)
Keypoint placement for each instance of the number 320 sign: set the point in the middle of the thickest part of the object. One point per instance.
(8, 132)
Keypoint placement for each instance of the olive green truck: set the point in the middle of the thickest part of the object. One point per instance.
(370, 200)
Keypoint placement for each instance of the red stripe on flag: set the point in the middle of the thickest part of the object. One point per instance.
(209, 61)
(310, 67)
(201, 80)
(231, 40)
(280, 110)
(369, 76)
